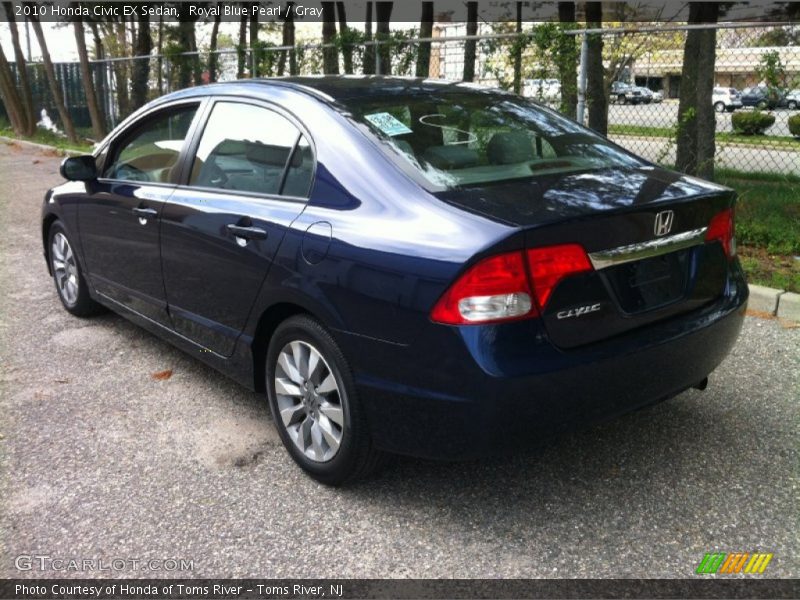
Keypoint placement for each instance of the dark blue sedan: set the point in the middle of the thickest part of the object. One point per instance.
(403, 266)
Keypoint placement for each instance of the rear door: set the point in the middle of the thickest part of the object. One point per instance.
(118, 216)
(248, 177)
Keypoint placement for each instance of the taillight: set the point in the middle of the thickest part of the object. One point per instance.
(722, 229)
(551, 264)
(498, 288)
(495, 289)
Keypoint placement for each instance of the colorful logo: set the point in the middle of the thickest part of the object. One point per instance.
(736, 562)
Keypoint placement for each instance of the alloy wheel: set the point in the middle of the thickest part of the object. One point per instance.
(309, 401)
(65, 269)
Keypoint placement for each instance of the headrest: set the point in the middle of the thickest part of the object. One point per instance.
(456, 156)
(509, 148)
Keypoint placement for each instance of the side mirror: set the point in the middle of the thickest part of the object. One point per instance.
(79, 168)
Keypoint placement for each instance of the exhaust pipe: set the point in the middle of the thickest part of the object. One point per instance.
(702, 384)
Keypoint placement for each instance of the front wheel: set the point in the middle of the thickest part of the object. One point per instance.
(792, 105)
(71, 285)
(314, 404)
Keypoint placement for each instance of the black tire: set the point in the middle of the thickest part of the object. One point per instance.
(761, 105)
(622, 99)
(792, 105)
(719, 107)
(82, 305)
(356, 456)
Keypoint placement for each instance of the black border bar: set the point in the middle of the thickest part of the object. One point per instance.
(284, 589)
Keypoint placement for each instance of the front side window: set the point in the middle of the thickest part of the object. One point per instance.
(248, 148)
(462, 138)
(151, 151)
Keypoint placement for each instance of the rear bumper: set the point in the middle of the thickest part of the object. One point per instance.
(461, 397)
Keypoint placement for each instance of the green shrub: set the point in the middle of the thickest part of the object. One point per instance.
(794, 125)
(752, 122)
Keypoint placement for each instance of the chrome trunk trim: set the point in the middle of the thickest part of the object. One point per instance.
(624, 254)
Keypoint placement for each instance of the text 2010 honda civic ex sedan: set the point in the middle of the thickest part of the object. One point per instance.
(404, 266)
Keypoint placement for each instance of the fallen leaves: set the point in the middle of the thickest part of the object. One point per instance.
(162, 375)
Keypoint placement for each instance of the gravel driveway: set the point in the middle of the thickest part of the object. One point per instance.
(100, 460)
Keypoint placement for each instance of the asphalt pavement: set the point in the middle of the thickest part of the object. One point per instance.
(102, 461)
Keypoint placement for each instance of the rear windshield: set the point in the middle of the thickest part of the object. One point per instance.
(459, 138)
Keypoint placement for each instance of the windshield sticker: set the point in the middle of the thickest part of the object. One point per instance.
(387, 124)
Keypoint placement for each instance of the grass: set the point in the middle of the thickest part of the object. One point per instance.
(43, 136)
(767, 227)
(722, 137)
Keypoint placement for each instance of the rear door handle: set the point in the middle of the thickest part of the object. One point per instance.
(248, 233)
(145, 213)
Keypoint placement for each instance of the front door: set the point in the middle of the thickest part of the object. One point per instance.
(119, 217)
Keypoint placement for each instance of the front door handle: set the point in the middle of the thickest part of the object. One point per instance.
(145, 213)
(247, 233)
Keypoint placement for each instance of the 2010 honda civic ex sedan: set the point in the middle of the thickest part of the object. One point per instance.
(403, 266)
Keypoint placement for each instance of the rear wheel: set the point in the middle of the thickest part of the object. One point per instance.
(71, 285)
(314, 404)
(792, 105)
(719, 107)
(762, 104)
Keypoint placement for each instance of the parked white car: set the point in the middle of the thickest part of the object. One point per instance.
(542, 89)
(726, 99)
(793, 100)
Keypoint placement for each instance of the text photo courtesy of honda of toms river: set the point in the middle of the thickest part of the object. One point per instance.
(402, 266)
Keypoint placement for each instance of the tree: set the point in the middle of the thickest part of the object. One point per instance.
(596, 98)
(240, 57)
(696, 118)
(288, 40)
(425, 31)
(567, 60)
(11, 99)
(140, 73)
(470, 45)
(345, 35)
(28, 114)
(213, 59)
(370, 51)
(517, 51)
(253, 38)
(99, 76)
(55, 89)
(383, 15)
(330, 54)
(98, 123)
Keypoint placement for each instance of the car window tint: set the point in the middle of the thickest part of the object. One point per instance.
(151, 151)
(301, 170)
(245, 148)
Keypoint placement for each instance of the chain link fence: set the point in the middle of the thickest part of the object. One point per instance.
(756, 95)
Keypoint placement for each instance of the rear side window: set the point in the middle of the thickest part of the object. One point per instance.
(249, 148)
(150, 151)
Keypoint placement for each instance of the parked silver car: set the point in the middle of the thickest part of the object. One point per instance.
(726, 99)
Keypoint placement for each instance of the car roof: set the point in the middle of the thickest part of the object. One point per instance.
(334, 88)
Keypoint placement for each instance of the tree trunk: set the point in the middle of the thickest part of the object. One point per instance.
(213, 58)
(11, 99)
(254, 40)
(24, 92)
(596, 98)
(242, 54)
(369, 51)
(344, 30)
(288, 40)
(425, 31)
(470, 45)
(188, 66)
(383, 15)
(140, 77)
(98, 125)
(121, 71)
(567, 60)
(330, 56)
(696, 119)
(55, 90)
(100, 87)
(518, 52)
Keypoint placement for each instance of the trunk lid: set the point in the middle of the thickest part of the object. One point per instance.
(644, 231)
